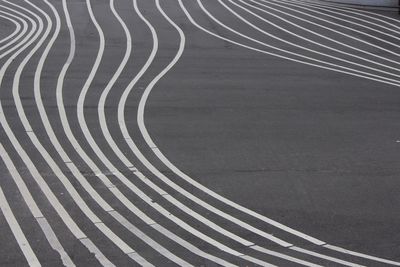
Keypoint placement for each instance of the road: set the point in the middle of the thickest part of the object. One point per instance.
(198, 133)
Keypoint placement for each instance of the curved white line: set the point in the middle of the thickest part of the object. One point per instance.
(19, 235)
(75, 230)
(360, 12)
(287, 7)
(288, 2)
(327, 8)
(34, 209)
(349, 70)
(187, 194)
(172, 200)
(16, 30)
(124, 159)
(319, 35)
(71, 190)
(25, 29)
(210, 192)
(21, 32)
(142, 127)
(74, 170)
(114, 190)
(119, 175)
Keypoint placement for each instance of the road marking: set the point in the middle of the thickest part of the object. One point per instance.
(34, 209)
(25, 29)
(361, 255)
(330, 29)
(319, 255)
(17, 231)
(17, 29)
(115, 172)
(317, 43)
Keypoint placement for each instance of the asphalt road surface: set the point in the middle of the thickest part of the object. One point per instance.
(198, 133)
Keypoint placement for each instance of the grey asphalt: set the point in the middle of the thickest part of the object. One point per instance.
(313, 149)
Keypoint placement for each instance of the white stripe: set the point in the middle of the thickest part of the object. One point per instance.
(363, 74)
(213, 194)
(101, 155)
(34, 209)
(190, 246)
(283, 256)
(16, 30)
(319, 255)
(31, 167)
(361, 255)
(112, 189)
(328, 9)
(25, 29)
(17, 231)
(155, 171)
(317, 43)
(96, 252)
(289, 3)
(54, 242)
(363, 13)
(162, 177)
(162, 250)
(256, 261)
(352, 47)
(71, 190)
(158, 153)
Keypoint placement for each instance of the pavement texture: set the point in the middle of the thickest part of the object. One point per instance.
(198, 133)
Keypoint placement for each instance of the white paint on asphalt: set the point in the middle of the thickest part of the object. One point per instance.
(17, 231)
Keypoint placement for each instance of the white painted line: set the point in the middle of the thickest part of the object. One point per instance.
(25, 29)
(31, 167)
(341, 13)
(332, 65)
(319, 35)
(96, 252)
(54, 242)
(118, 241)
(235, 205)
(319, 255)
(148, 240)
(364, 13)
(191, 247)
(139, 259)
(258, 262)
(113, 189)
(361, 255)
(16, 30)
(286, 257)
(17, 231)
(151, 144)
(34, 209)
(296, 9)
(119, 175)
(309, 21)
(207, 222)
